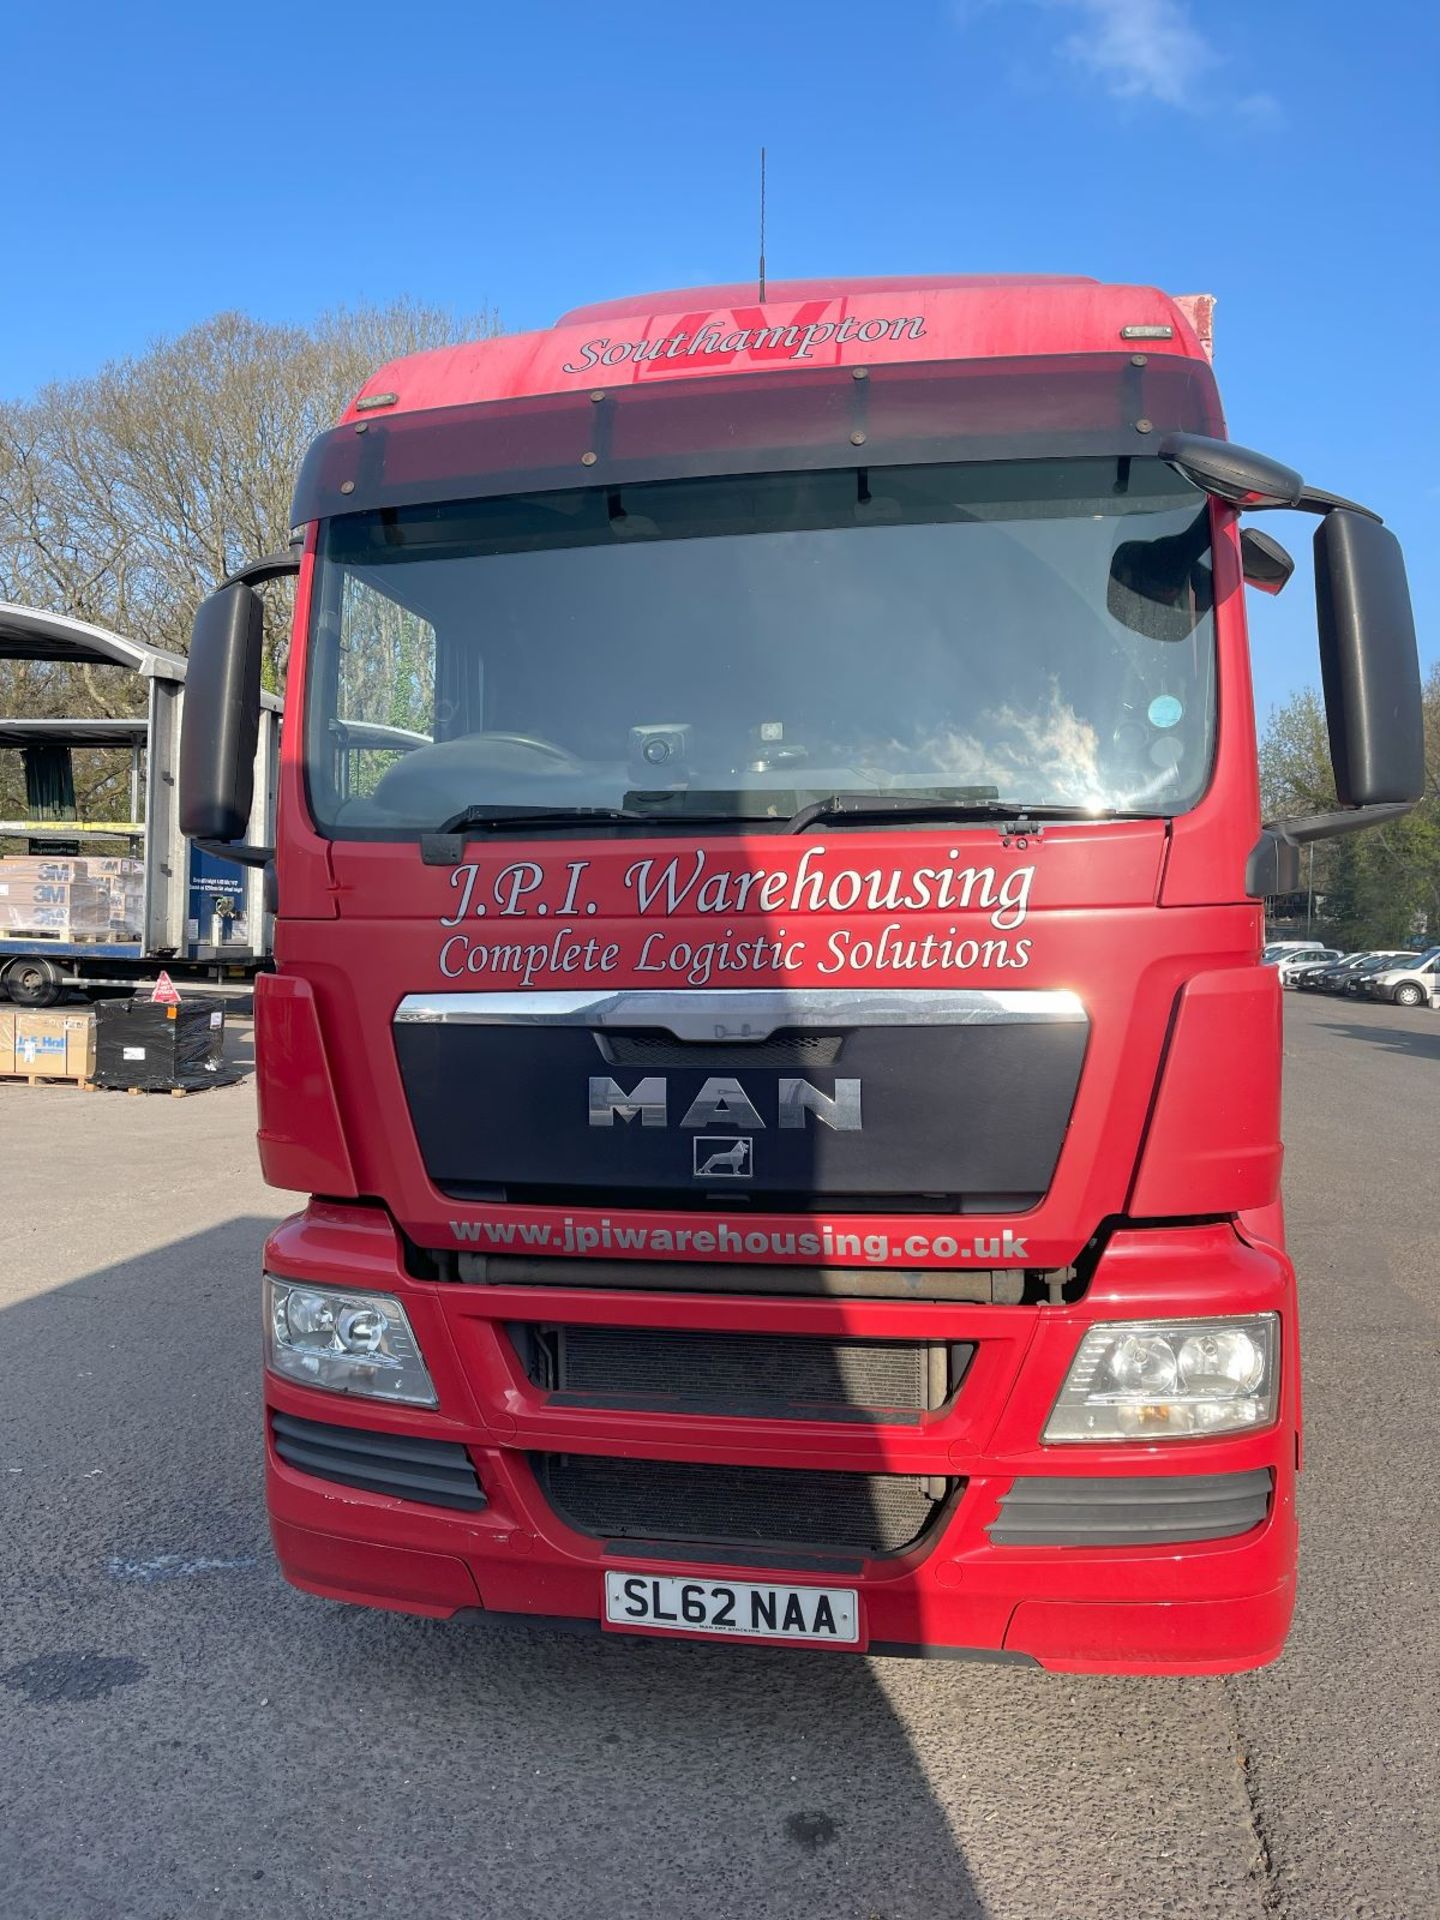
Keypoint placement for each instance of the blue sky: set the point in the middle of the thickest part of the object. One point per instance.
(170, 160)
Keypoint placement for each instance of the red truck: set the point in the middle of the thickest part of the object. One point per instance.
(767, 1010)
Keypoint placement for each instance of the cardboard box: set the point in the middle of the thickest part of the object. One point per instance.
(62, 1043)
(54, 897)
(8, 1018)
(43, 866)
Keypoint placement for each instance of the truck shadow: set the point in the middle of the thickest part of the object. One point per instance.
(1420, 1041)
(227, 1733)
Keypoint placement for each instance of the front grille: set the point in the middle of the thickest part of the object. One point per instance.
(738, 1506)
(439, 1472)
(763, 1376)
(1153, 1511)
(784, 1049)
(961, 1098)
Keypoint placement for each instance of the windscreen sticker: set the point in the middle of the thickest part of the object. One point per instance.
(1166, 711)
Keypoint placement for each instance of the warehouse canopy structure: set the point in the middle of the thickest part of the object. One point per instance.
(30, 633)
(125, 731)
(152, 738)
(33, 633)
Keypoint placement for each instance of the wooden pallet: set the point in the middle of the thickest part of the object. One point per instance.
(33, 1078)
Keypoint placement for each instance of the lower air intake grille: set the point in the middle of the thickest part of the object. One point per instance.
(774, 1376)
(439, 1472)
(738, 1506)
(1148, 1512)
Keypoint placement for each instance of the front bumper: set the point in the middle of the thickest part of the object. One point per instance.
(1181, 1606)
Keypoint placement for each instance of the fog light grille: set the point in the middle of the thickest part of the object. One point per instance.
(439, 1472)
(1155, 1510)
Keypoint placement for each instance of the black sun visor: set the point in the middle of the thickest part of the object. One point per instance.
(1057, 407)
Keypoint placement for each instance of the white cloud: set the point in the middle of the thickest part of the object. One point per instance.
(1141, 49)
(1147, 50)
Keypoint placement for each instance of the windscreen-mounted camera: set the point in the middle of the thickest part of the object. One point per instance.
(660, 754)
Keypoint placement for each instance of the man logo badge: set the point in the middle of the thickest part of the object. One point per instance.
(723, 1156)
(797, 1102)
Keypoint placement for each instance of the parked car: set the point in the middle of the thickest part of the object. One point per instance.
(1353, 983)
(1291, 965)
(1277, 950)
(1345, 976)
(1406, 986)
(1325, 977)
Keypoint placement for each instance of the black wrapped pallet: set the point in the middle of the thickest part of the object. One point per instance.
(145, 1044)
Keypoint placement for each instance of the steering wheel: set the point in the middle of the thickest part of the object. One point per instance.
(534, 744)
(434, 781)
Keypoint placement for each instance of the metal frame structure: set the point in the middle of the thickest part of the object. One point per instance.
(33, 633)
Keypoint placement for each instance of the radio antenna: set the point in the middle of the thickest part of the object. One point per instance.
(762, 226)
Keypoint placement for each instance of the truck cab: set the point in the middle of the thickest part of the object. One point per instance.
(769, 892)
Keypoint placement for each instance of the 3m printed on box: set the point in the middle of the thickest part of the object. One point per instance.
(55, 897)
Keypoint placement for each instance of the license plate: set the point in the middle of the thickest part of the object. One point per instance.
(742, 1608)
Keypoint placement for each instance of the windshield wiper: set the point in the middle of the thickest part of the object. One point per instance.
(924, 806)
(501, 815)
(521, 816)
(860, 806)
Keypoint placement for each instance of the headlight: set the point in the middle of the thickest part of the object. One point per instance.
(347, 1342)
(1170, 1380)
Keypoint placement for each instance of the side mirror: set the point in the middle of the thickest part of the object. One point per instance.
(1369, 664)
(222, 716)
(1233, 474)
(1370, 669)
(1264, 561)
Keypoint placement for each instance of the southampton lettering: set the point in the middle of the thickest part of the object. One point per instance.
(797, 342)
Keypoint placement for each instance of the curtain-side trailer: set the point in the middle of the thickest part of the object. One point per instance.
(194, 914)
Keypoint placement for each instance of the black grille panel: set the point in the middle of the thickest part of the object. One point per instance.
(784, 1049)
(738, 1506)
(439, 1472)
(1152, 1511)
(968, 1109)
(760, 1375)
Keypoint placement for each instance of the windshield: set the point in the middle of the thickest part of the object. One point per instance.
(1030, 633)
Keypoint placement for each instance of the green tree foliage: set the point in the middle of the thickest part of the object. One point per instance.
(1375, 889)
(126, 496)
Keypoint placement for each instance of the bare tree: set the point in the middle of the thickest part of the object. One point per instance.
(126, 496)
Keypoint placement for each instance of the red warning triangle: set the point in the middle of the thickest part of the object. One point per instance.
(166, 993)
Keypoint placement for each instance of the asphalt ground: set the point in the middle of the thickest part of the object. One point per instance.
(182, 1734)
